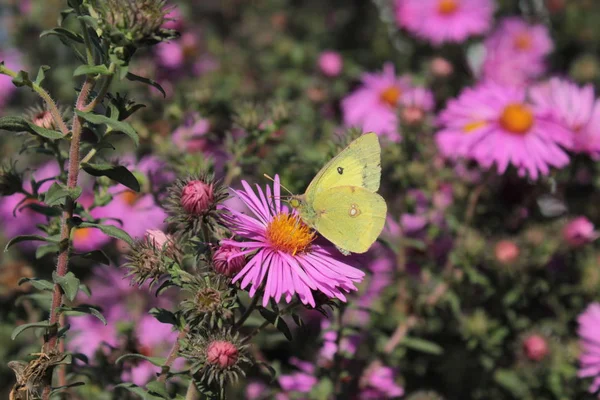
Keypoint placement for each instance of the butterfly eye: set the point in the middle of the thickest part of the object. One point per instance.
(295, 203)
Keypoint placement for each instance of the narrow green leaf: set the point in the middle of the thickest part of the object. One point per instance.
(133, 388)
(25, 238)
(158, 361)
(22, 79)
(40, 284)
(277, 321)
(111, 231)
(510, 381)
(422, 345)
(57, 193)
(41, 74)
(91, 70)
(115, 172)
(113, 124)
(63, 33)
(164, 316)
(158, 388)
(147, 81)
(69, 283)
(21, 328)
(45, 249)
(18, 124)
(83, 309)
(96, 255)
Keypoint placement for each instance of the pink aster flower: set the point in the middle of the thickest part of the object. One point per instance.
(379, 383)
(515, 52)
(579, 231)
(441, 21)
(191, 136)
(285, 254)
(576, 107)
(330, 63)
(497, 124)
(589, 335)
(373, 106)
(416, 104)
(301, 381)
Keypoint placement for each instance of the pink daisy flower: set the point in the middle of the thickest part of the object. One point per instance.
(373, 106)
(441, 21)
(285, 255)
(515, 52)
(589, 334)
(576, 107)
(497, 124)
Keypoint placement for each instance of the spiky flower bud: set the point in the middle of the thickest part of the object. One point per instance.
(197, 197)
(228, 261)
(210, 301)
(42, 117)
(150, 257)
(217, 358)
(11, 181)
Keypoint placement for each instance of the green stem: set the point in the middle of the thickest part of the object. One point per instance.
(50, 104)
(248, 311)
(89, 155)
(172, 355)
(89, 52)
(103, 90)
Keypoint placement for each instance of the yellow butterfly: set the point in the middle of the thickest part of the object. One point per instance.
(341, 203)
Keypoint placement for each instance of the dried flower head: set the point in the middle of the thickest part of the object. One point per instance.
(210, 301)
(217, 358)
(11, 181)
(193, 201)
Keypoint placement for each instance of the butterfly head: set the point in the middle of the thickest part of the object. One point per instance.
(296, 201)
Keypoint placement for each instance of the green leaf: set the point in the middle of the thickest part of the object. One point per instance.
(147, 81)
(22, 79)
(41, 74)
(115, 172)
(69, 283)
(18, 124)
(57, 193)
(422, 345)
(158, 388)
(510, 381)
(83, 309)
(277, 321)
(111, 231)
(25, 238)
(57, 389)
(164, 316)
(158, 361)
(21, 328)
(137, 390)
(63, 34)
(113, 124)
(91, 70)
(96, 255)
(40, 284)
(46, 249)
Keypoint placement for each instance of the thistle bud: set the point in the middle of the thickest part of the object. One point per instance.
(145, 262)
(222, 354)
(535, 347)
(210, 300)
(11, 181)
(40, 116)
(227, 261)
(197, 197)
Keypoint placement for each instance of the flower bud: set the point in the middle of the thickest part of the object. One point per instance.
(43, 119)
(412, 116)
(330, 63)
(226, 260)
(441, 68)
(197, 197)
(157, 237)
(221, 353)
(506, 252)
(579, 231)
(535, 347)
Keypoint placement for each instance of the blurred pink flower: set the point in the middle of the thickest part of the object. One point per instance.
(515, 52)
(535, 347)
(12, 60)
(579, 231)
(441, 68)
(497, 124)
(301, 381)
(415, 105)
(379, 384)
(191, 136)
(330, 63)
(441, 21)
(589, 336)
(574, 106)
(174, 20)
(256, 390)
(374, 105)
(284, 251)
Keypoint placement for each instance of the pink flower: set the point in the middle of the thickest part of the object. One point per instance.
(515, 52)
(589, 335)
(174, 20)
(441, 21)
(301, 381)
(574, 106)
(535, 347)
(497, 124)
(373, 106)
(227, 260)
(441, 68)
(284, 251)
(330, 63)
(222, 353)
(579, 231)
(197, 197)
(380, 384)
(255, 390)
(506, 252)
(416, 103)
(191, 137)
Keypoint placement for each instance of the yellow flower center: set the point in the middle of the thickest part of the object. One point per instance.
(288, 233)
(523, 41)
(471, 126)
(390, 96)
(130, 197)
(447, 7)
(517, 118)
(82, 233)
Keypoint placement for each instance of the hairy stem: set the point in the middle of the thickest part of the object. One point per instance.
(192, 393)
(172, 355)
(103, 89)
(50, 104)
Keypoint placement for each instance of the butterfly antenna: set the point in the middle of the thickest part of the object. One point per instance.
(286, 189)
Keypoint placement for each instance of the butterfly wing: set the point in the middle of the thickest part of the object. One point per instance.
(359, 164)
(350, 217)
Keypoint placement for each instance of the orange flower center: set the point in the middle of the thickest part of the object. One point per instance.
(471, 126)
(130, 197)
(286, 232)
(391, 95)
(517, 118)
(447, 7)
(523, 41)
(82, 233)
